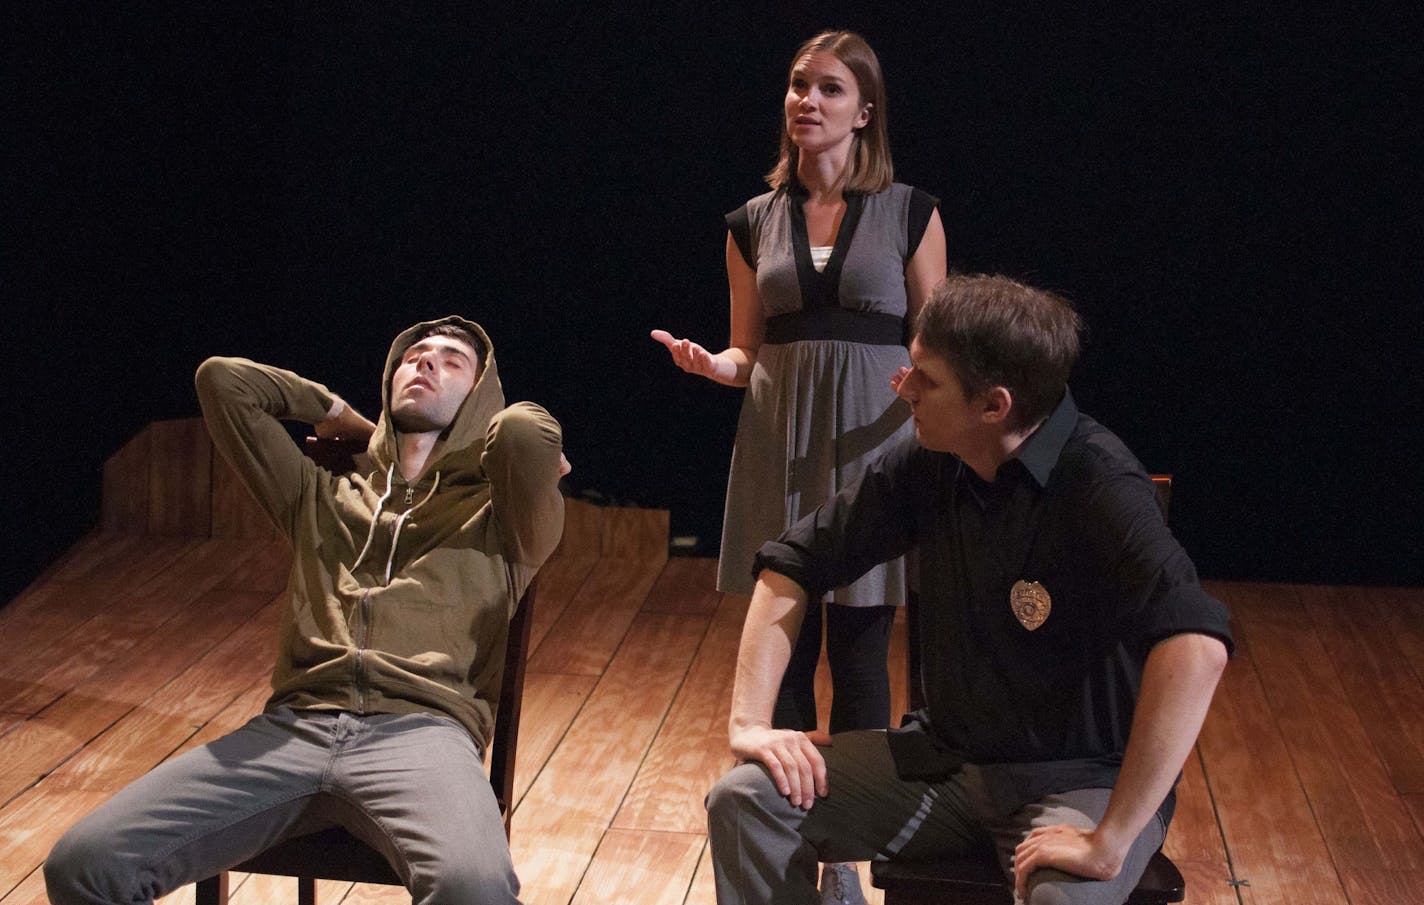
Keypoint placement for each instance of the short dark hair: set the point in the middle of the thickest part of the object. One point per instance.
(995, 331)
(455, 331)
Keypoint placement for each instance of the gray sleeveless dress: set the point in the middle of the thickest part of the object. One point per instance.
(819, 406)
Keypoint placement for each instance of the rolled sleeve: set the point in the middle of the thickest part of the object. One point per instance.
(868, 523)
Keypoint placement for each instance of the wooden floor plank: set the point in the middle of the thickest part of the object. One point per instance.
(48, 611)
(690, 751)
(704, 887)
(132, 746)
(1270, 830)
(29, 891)
(1366, 656)
(146, 734)
(559, 582)
(1364, 823)
(186, 895)
(124, 752)
(634, 867)
(29, 827)
(128, 559)
(331, 892)
(39, 744)
(261, 889)
(686, 584)
(32, 684)
(111, 620)
(1384, 887)
(1194, 834)
(582, 642)
(186, 639)
(1415, 803)
(118, 685)
(551, 702)
(198, 570)
(563, 816)
(1401, 610)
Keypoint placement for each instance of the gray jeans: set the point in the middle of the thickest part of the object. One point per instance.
(765, 851)
(410, 786)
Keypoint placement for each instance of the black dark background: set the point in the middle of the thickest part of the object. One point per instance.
(1229, 193)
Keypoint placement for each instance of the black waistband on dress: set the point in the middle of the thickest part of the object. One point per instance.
(840, 324)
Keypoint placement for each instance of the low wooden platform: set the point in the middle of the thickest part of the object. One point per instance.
(155, 634)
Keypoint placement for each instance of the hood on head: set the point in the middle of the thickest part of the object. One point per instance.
(461, 444)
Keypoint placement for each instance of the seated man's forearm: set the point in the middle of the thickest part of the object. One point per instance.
(773, 621)
(1177, 685)
(1178, 682)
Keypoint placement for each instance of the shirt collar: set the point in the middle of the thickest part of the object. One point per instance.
(1039, 453)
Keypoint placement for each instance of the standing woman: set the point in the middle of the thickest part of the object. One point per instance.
(824, 271)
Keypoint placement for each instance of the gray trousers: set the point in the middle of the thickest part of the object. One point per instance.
(765, 851)
(410, 786)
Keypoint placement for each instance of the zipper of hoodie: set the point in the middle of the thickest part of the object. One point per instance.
(363, 636)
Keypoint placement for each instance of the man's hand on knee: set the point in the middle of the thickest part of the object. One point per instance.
(1070, 849)
(795, 765)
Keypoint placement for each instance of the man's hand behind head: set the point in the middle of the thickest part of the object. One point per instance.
(346, 424)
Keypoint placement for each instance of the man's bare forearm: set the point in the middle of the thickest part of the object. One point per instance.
(773, 621)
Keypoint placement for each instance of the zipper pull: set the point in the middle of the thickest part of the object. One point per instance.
(409, 494)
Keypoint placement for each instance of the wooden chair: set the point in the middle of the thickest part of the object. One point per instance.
(334, 854)
(979, 881)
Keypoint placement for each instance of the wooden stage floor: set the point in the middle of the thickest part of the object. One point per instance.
(1307, 785)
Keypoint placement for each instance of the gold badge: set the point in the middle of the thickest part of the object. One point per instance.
(1030, 602)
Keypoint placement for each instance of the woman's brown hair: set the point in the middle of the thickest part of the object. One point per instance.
(870, 169)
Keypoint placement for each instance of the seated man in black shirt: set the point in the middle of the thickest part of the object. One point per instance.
(1068, 652)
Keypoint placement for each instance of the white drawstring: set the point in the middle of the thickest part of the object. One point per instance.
(375, 517)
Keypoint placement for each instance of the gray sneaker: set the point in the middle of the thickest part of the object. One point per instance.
(840, 885)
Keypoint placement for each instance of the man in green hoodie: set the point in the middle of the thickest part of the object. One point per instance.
(391, 650)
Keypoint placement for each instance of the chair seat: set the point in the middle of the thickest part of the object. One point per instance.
(979, 881)
(341, 855)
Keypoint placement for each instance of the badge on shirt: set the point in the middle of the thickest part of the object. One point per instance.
(1030, 602)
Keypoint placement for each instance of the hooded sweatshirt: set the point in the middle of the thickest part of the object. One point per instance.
(400, 593)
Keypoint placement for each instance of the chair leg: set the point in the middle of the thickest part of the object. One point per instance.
(212, 891)
(306, 891)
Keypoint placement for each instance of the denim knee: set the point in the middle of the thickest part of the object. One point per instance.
(746, 785)
(1051, 887)
(83, 869)
(478, 880)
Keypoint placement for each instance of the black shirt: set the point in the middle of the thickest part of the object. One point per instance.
(1043, 710)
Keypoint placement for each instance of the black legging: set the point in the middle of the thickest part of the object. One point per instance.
(857, 642)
